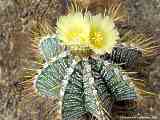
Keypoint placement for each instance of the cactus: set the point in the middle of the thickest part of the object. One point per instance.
(78, 94)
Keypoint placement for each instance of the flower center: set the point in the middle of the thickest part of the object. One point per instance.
(97, 39)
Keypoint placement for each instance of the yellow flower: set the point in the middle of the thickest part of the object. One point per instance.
(73, 30)
(103, 34)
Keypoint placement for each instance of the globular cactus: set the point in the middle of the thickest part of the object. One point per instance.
(91, 81)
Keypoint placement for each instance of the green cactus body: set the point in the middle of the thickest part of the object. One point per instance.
(49, 80)
(125, 55)
(101, 87)
(79, 96)
(50, 47)
(113, 79)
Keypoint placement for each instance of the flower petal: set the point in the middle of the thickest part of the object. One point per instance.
(103, 34)
(73, 29)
